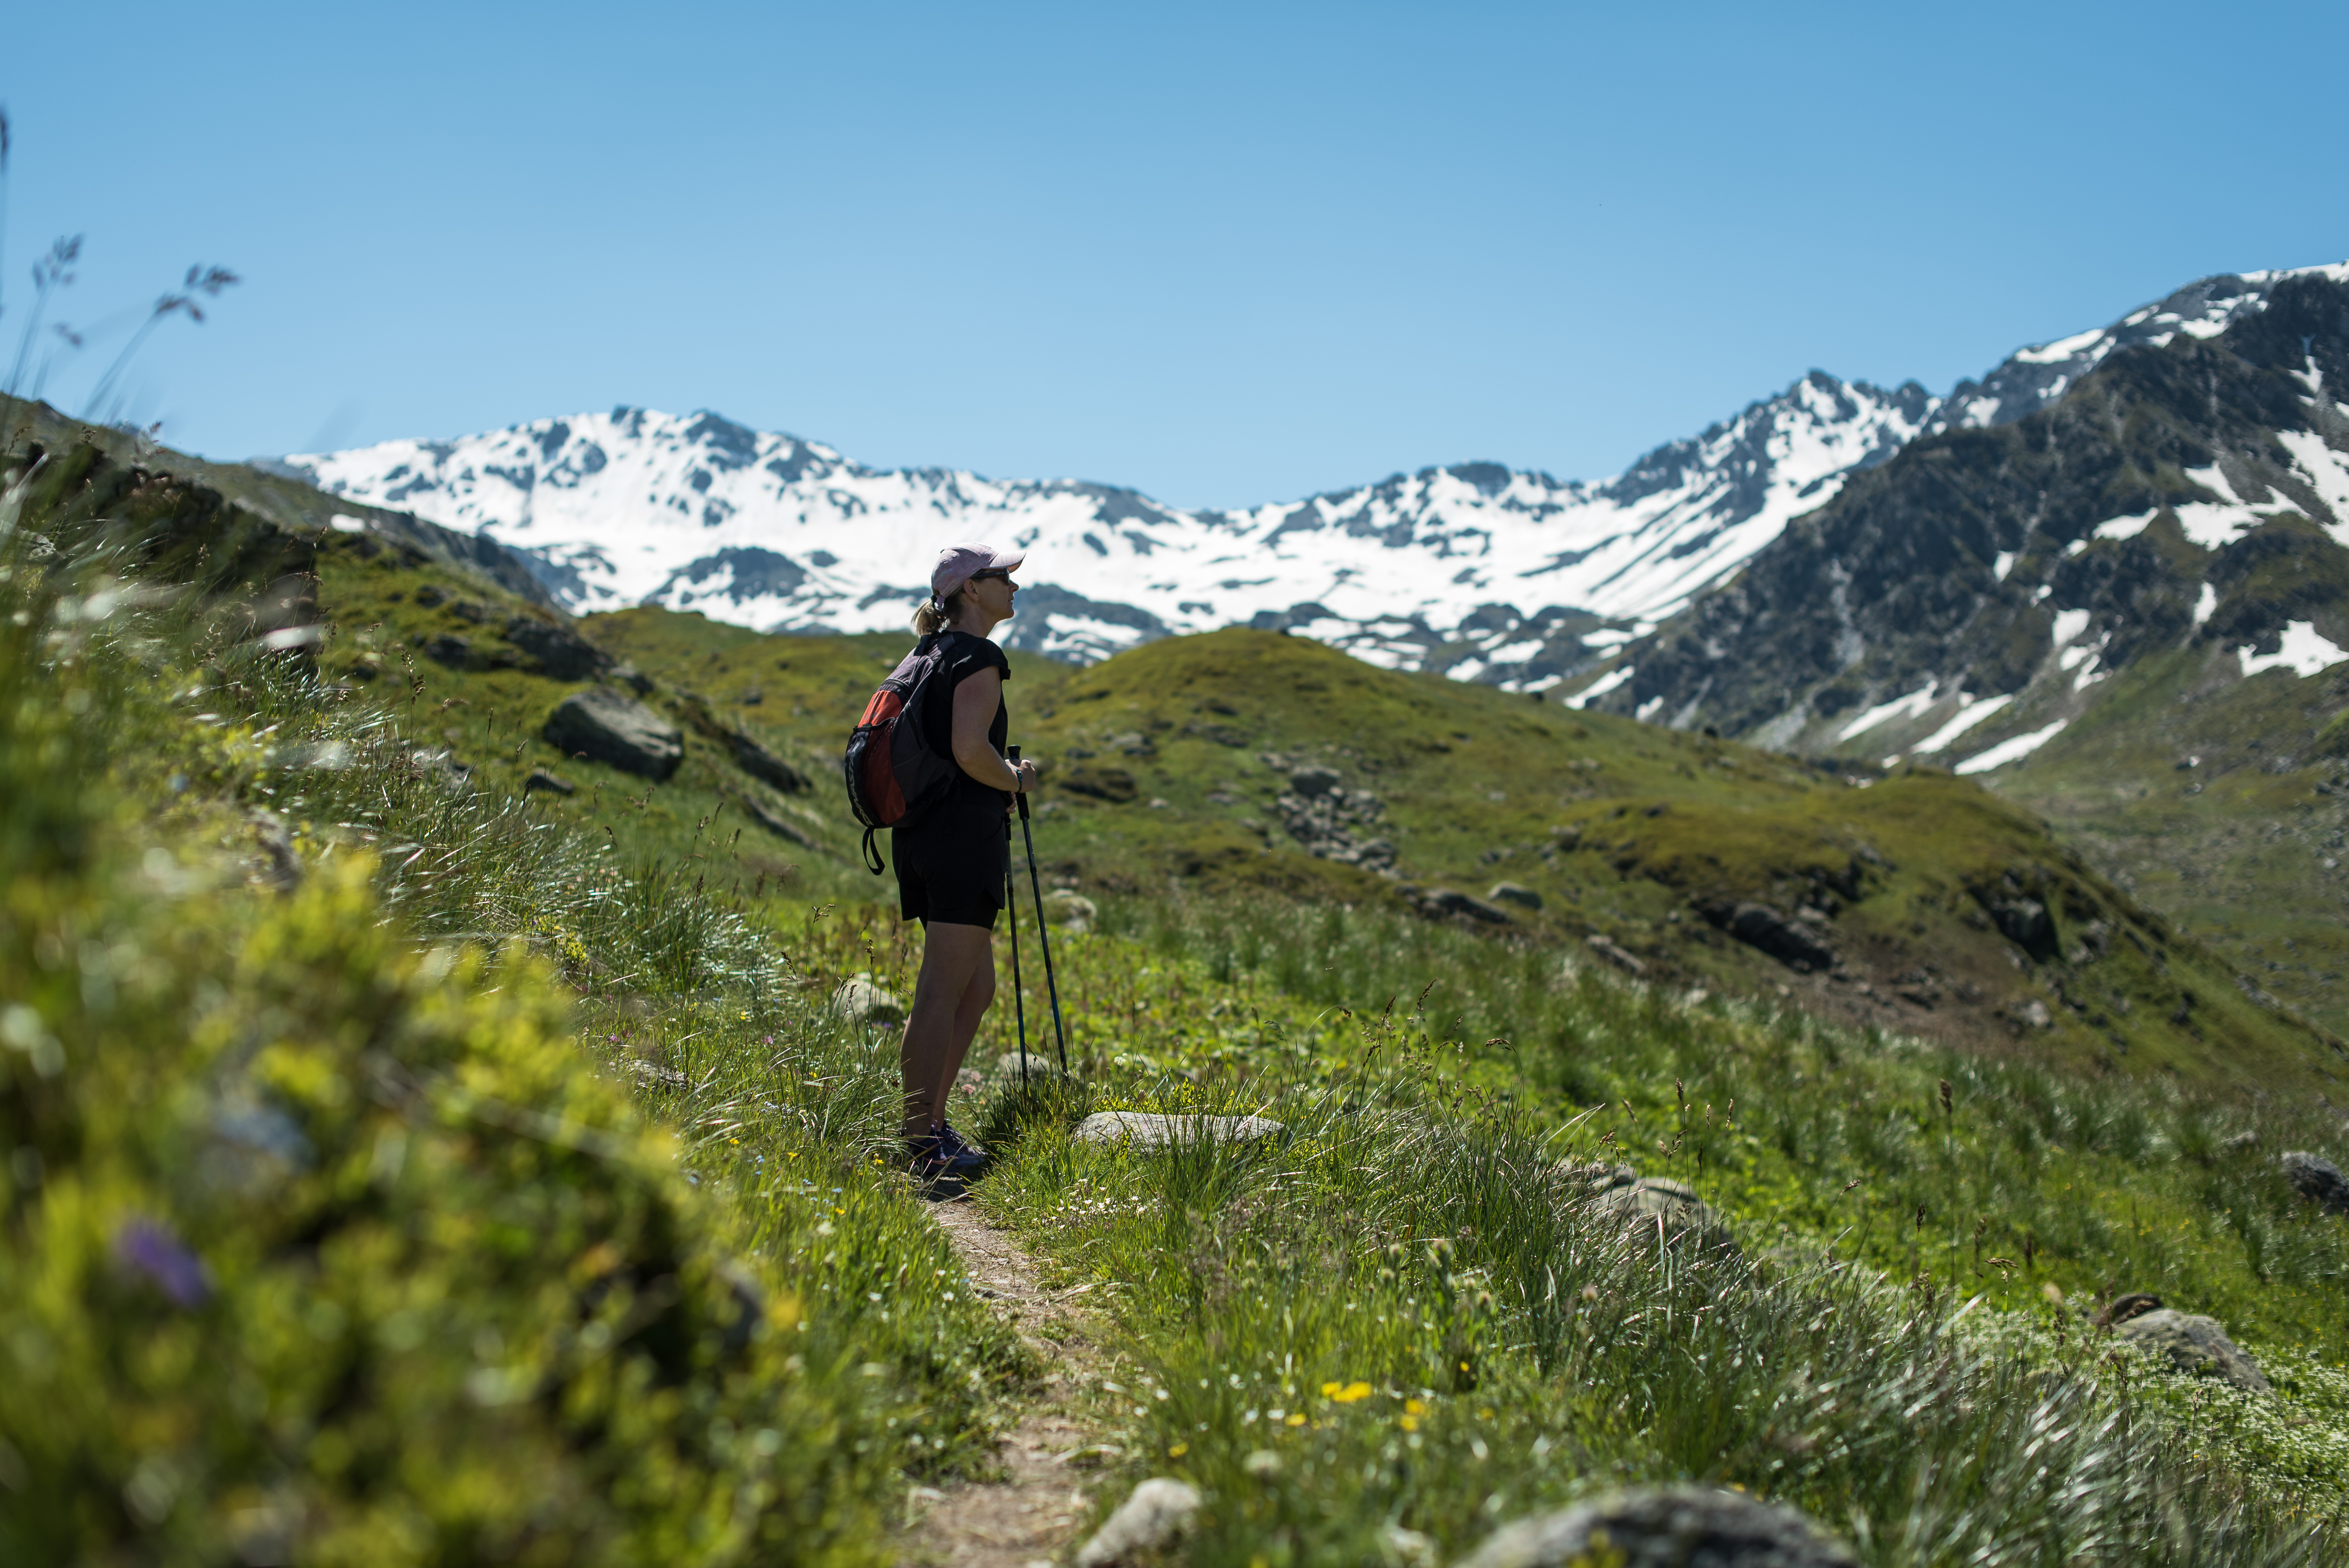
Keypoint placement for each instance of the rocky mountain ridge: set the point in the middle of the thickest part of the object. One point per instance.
(1969, 600)
(1506, 576)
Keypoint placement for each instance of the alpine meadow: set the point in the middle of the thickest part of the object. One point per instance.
(1781, 1007)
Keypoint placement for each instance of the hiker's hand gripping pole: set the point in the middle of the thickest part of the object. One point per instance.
(1043, 929)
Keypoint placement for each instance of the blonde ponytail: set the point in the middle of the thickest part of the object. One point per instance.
(933, 615)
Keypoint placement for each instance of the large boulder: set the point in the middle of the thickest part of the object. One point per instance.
(607, 726)
(2194, 1344)
(1144, 1130)
(559, 652)
(2317, 1179)
(1145, 1522)
(1668, 1527)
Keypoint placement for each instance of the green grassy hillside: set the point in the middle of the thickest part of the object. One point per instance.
(2222, 802)
(1164, 767)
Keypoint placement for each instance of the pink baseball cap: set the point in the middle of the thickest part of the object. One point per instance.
(959, 563)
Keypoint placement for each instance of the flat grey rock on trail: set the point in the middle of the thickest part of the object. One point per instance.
(2195, 1343)
(1670, 1527)
(1146, 1131)
(1149, 1520)
(1031, 1513)
(613, 728)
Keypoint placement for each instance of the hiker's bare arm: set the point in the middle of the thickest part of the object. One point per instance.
(975, 702)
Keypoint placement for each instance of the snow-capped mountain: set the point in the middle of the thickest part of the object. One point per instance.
(1492, 573)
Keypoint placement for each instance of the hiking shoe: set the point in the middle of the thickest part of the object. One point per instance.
(932, 1168)
(969, 1155)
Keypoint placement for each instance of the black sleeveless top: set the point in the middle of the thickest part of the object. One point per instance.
(967, 808)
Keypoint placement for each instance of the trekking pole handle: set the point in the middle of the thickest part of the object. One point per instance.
(1011, 753)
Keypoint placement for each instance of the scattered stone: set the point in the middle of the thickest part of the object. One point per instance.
(766, 767)
(1144, 1130)
(635, 679)
(431, 597)
(2317, 1179)
(1148, 1521)
(1043, 1067)
(2244, 1143)
(1619, 1194)
(553, 783)
(2022, 920)
(559, 652)
(1793, 943)
(2194, 1344)
(608, 727)
(1114, 785)
(455, 652)
(1608, 951)
(1073, 911)
(1445, 900)
(1670, 1527)
(1511, 892)
(2121, 1308)
(860, 1001)
(772, 822)
(2033, 1014)
(277, 864)
(1323, 816)
(655, 1076)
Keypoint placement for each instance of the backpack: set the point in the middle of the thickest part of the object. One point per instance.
(891, 767)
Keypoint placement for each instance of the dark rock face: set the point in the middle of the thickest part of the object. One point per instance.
(1898, 581)
(553, 783)
(1794, 942)
(1670, 1527)
(560, 653)
(1511, 892)
(2317, 1179)
(2194, 1344)
(607, 726)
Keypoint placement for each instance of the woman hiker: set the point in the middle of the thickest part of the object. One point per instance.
(953, 857)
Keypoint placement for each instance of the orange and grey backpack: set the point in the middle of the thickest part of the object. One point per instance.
(892, 768)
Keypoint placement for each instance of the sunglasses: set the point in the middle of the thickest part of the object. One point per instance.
(998, 572)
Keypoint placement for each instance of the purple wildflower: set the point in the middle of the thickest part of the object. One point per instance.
(151, 1249)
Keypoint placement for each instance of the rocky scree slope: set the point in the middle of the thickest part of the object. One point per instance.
(1504, 576)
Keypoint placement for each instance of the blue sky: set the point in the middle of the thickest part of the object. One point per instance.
(1228, 254)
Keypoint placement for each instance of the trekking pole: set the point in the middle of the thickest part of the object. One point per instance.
(1018, 1001)
(1043, 929)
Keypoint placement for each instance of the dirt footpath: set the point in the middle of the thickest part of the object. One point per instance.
(1033, 1514)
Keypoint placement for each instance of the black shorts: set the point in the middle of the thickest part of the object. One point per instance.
(952, 873)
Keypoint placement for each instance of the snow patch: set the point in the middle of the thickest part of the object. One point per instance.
(2206, 603)
(2305, 652)
(1600, 686)
(2123, 527)
(2004, 564)
(2062, 348)
(1971, 712)
(1909, 707)
(2069, 624)
(2012, 749)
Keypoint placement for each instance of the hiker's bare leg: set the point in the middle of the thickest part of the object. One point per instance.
(977, 996)
(954, 958)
